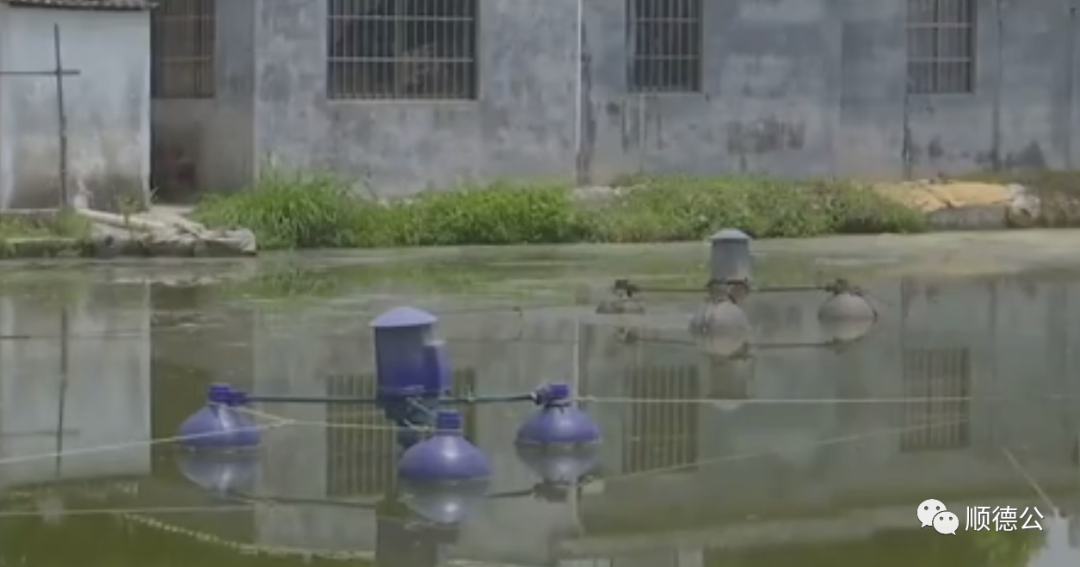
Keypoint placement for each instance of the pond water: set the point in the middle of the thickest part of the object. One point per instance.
(965, 392)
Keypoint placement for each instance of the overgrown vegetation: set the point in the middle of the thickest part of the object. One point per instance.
(62, 224)
(38, 235)
(298, 210)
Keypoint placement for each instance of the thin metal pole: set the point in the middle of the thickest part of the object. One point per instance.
(61, 118)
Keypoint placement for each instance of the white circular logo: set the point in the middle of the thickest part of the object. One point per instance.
(927, 511)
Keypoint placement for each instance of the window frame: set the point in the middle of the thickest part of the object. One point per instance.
(646, 83)
(924, 75)
(465, 70)
(183, 45)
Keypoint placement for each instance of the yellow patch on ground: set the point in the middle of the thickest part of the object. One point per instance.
(929, 197)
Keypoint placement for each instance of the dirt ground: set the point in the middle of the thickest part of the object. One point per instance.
(930, 196)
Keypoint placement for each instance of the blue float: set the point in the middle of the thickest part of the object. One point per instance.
(221, 424)
(414, 388)
(433, 503)
(559, 422)
(445, 456)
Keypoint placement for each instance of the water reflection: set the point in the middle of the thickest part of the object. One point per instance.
(963, 392)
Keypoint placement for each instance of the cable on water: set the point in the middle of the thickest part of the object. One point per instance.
(683, 401)
(279, 422)
(823, 401)
(757, 454)
(147, 510)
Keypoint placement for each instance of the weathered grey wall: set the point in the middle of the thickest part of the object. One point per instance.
(523, 124)
(108, 106)
(790, 87)
(207, 143)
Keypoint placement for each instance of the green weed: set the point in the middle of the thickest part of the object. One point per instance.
(293, 210)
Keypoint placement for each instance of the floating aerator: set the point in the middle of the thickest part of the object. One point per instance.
(220, 425)
(445, 456)
(730, 260)
(558, 422)
(414, 385)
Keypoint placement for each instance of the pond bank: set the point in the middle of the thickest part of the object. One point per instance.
(299, 211)
(161, 232)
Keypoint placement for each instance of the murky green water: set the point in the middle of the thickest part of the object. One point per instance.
(966, 392)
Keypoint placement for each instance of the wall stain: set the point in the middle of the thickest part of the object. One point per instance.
(1030, 157)
(587, 126)
(764, 136)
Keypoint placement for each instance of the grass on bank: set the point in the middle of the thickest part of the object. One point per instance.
(16, 226)
(296, 210)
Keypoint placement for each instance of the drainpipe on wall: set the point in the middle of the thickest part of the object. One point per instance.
(1070, 86)
(999, 81)
(579, 93)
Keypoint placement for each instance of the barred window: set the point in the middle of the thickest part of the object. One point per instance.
(402, 49)
(665, 39)
(182, 49)
(941, 46)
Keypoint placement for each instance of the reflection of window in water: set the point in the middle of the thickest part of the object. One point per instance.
(941, 380)
(662, 435)
(362, 450)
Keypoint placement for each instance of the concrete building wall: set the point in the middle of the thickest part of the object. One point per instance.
(107, 106)
(208, 142)
(789, 87)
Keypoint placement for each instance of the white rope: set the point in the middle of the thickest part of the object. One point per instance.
(134, 444)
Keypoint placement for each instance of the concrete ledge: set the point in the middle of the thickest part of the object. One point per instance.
(62, 247)
(975, 217)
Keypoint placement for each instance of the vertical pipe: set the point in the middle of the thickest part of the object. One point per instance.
(999, 81)
(1070, 85)
(61, 119)
(579, 114)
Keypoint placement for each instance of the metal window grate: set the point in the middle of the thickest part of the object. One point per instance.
(362, 449)
(665, 37)
(402, 49)
(943, 378)
(182, 49)
(941, 46)
(662, 435)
